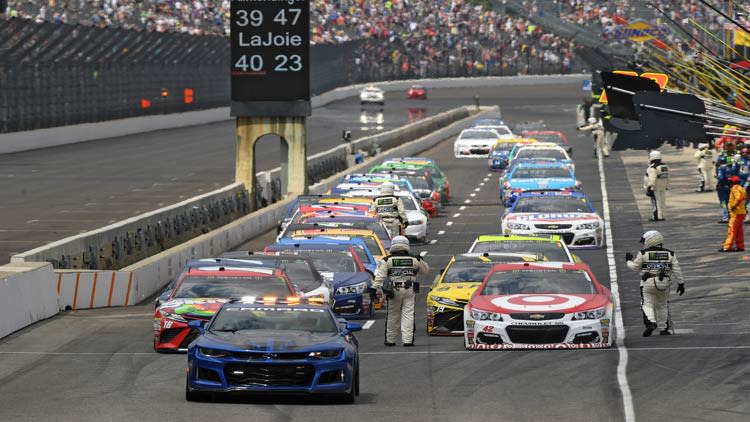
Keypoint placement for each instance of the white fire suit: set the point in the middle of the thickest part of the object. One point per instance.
(600, 138)
(658, 268)
(391, 210)
(402, 270)
(656, 183)
(706, 169)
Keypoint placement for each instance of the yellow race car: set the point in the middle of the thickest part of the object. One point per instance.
(455, 284)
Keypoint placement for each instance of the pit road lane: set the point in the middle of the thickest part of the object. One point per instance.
(98, 365)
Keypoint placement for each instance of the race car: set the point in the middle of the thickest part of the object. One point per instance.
(417, 92)
(334, 220)
(371, 95)
(339, 263)
(475, 143)
(551, 136)
(429, 165)
(501, 129)
(269, 345)
(369, 237)
(535, 176)
(542, 305)
(455, 284)
(540, 151)
(568, 214)
(418, 228)
(200, 292)
(498, 158)
(552, 247)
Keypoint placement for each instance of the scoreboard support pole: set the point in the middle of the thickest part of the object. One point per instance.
(292, 130)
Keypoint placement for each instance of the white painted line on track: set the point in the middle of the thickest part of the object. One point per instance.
(472, 194)
(481, 184)
(432, 242)
(368, 324)
(622, 363)
(468, 201)
(489, 174)
(683, 331)
(485, 179)
(477, 189)
(463, 207)
(441, 232)
(450, 223)
(456, 215)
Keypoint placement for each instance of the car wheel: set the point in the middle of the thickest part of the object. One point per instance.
(194, 395)
(356, 380)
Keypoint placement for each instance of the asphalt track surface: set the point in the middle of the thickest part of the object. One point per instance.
(53, 193)
(98, 365)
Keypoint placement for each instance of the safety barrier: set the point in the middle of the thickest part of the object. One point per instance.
(131, 240)
(94, 289)
(27, 295)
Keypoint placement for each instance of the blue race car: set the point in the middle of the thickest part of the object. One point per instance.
(266, 345)
(536, 176)
(339, 263)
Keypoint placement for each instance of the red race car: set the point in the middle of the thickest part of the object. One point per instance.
(540, 305)
(200, 292)
(417, 92)
(553, 136)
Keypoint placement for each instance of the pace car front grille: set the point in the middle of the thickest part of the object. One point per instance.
(537, 334)
(269, 375)
(553, 226)
(537, 316)
(449, 321)
(189, 338)
(169, 334)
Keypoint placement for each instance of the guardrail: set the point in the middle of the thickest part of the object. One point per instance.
(27, 295)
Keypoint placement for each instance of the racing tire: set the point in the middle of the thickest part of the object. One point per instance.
(195, 396)
(356, 381)
(350, 397)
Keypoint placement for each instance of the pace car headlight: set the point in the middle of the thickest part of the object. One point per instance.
(416, 222)
(358, 289)
(213, 353)
(590, 314)
(326, 354)
(588, 226)
(445, 301)
(485, 316)
(173, 317)
(517, 226)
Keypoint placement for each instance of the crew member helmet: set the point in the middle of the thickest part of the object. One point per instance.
(654, 155)
(652, 238)
(387, 188)
(400, 244)
(592, 120)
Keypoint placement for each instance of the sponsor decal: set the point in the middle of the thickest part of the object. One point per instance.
(551, 346)
(538, 303)
(488, 329)
(469, 323)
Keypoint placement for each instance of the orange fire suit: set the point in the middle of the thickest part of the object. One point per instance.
(737, 212)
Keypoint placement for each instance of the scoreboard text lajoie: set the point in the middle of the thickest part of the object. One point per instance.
(270, 50)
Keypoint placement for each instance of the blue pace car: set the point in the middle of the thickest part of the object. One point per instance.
(535, 176)
(266, 345)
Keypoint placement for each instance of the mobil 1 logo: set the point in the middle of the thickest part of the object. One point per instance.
(270, 50)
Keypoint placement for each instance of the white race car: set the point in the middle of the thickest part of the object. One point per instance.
(568, 214)
(540, 305)
(419, 221)
(371, 95)
(475, 143)
(502, 130)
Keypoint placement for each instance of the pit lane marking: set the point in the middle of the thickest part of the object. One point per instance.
(468, 201)
(472, 194)
(368, 324)
(432, 242)
(463, 207)
(477, 189)
(481, 184)
(622, 362)
(456, 215)
(485, 179)
(441, 232)
(450, 223)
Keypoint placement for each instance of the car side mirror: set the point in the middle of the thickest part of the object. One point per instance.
(352, 327)
(197, 324)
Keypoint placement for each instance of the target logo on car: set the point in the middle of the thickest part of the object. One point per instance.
(538, 303)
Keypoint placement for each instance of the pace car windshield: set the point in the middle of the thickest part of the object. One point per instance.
(553, 251)
(538, 281)
(541, 153)
(233, 319)
(552, 204)
(226, 287)
(540, 173)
